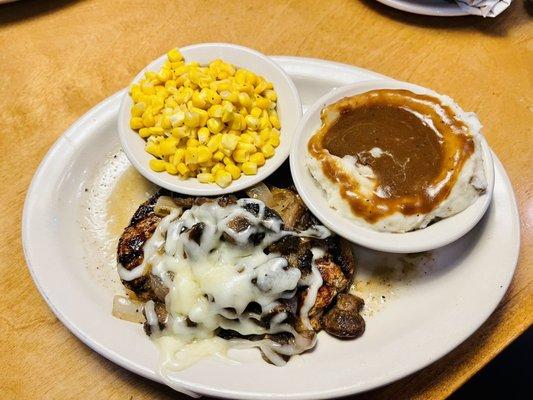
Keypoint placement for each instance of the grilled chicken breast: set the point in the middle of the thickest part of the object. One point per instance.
(339, 317)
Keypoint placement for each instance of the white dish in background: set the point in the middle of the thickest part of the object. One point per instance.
(421, 319)
(289, 109)
(433, 236)
(438, 8)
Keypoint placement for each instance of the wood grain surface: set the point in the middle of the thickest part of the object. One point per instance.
(60, 58)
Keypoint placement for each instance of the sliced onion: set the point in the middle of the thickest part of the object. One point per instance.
(164, 206)
(128, 309)
(261, 192)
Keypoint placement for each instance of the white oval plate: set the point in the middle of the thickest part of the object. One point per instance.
(435, 235)
(438, 8)
(424, 317)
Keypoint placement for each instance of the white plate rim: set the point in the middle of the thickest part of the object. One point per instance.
(440, 9)
(205, 390)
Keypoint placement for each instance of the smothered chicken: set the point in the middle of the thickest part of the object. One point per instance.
(245, 271)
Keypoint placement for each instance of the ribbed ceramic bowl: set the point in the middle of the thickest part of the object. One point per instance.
(435, 235)
(288, 106)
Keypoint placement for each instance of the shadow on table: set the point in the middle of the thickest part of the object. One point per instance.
(508, 376)
(26, 9)
(490, 26)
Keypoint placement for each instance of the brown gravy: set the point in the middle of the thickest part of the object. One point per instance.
(415, 164)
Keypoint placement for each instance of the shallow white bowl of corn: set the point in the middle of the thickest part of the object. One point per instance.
(137, 130)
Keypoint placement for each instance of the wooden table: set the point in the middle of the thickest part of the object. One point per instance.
(59, 58)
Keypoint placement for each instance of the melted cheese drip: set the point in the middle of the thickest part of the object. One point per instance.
(212, 281)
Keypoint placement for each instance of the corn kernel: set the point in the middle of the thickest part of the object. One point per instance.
(165, 122)
(217, 167)
(249, 168)
(179, 154)
(148, 118)
(203, 135)
(205, 177)
(178, 118)
(135, 93)
(192, 119)
(250, 148)
(214, 142)
(233, 170)
(204, 155)
(198, 100)
(153, 149)
(229, 142)
(251, 78)
(240, 76)
(228, 106)
(264, 123)
(274, 119)
(215, 111)
(264, 135)
(241, 156)
(182, 169)
(251, 122)
(156, 130)
(180, 132)
(227, 161)
(262, 102)
(274, 138)
(138, 109)
(227, 116)
(136, 123)
(147, 88)
(260, 87)
(226, 152)
(230, 96)
(258, 159)
(202, 114)
(213, 97)
(161, 92)
(223, 178)
(271, 95)
(191, 155)
(192, 142)
(245, 88)
(219, 156)
(215, 125)
(157, 165)
(255, 137)
(171, 85)
(244, 100)
(256, 112)
(171, 168)
(268, 150)
(168, 146)
(246, 138)
(174, 55)
(144, 132)
(238, 123)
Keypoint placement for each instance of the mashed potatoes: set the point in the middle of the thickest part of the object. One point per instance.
(360, 179)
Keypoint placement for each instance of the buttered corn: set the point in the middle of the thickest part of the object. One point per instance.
(213, 122)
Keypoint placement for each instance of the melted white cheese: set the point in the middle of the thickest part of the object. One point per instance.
(212, 281)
